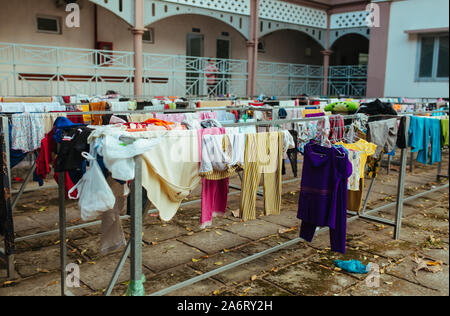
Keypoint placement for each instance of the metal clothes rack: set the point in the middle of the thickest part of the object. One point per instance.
(4, 121)
(136, 251)
(134, 246)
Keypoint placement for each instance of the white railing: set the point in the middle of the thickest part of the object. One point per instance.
(46, 70)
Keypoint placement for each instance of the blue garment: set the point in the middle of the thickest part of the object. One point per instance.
(352, 266)
(422, 131)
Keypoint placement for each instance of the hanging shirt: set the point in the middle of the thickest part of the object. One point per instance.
(323, 194)
(365, 149)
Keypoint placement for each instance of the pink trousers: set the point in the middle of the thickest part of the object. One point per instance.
(214, 199)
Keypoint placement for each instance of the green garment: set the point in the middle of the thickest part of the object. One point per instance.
(445, 132)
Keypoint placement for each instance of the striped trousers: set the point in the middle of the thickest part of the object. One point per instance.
(263, 155)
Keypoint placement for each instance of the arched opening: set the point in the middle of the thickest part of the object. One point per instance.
(289, 63)
(290, 46)
(350, 49)
(170, 36)
(187, 49)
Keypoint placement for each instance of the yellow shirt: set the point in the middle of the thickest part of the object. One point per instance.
(367, 149)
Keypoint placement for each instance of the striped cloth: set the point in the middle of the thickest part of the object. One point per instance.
(263, 154)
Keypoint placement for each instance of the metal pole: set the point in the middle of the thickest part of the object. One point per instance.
(5, 124)
(366, 201)
(62, 229)
(136, 227)
(401, 186)
(24, 184)
(118, 269)
(9, 242)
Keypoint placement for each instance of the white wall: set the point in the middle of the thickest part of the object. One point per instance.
(402, 49)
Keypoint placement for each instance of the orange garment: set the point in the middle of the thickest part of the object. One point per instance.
(97, 107)
(158, 122)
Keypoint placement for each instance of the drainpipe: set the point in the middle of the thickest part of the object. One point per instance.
(95, 26)
(326, 58)
(138, 30)
(252, 48)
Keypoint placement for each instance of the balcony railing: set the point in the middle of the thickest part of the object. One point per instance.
(347, 80)
(46, 70)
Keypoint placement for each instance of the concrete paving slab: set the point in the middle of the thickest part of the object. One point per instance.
(98, 274)
(213, 241)
(44, 285)
(22, 223)
(286, 219)
(91, 247)
(436, 281)
(161, 232)
(254, 229)
(260, 288)
(174, 276)
(391, 286)
(309, 279)
(40, 261)
(168, 254)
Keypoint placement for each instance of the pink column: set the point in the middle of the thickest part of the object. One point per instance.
(326, 64)
(138, 31)
(378, 47)
(326, 57)
(252, 48)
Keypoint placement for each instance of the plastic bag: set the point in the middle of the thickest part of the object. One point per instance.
(94, 194)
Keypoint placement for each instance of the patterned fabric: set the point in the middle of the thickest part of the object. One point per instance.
(337, 128)
(306, 132)
(28, 130)
(353, 180)
(366, 150)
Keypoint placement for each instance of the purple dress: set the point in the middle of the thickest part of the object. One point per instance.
(323, 194)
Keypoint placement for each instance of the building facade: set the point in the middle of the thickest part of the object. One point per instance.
(167, 47)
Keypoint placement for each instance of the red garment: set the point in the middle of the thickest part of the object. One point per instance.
(76, 119)
(68, 185)
(45, 159)
(66, 99)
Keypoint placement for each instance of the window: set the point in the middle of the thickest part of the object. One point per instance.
(433, 58)
(149, 36)
(46, 24)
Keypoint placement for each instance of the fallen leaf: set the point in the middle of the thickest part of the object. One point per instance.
(52, 283)
(216, 292)
(219, 263)
(195, 260)
(8, 282)
(253, 278)
(236, 213)
(84, 251)
(284, 230)
(247, 290)
(218, 233)
(42, 209)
